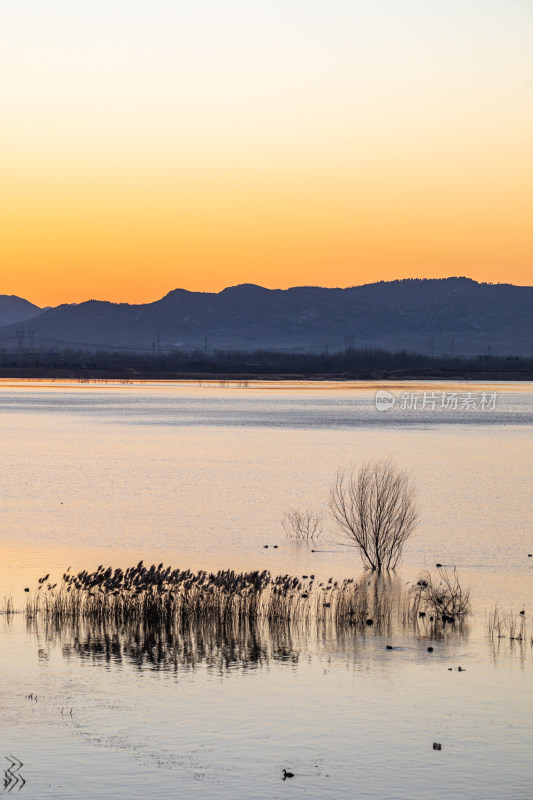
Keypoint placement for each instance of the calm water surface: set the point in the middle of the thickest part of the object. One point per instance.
(200, 477)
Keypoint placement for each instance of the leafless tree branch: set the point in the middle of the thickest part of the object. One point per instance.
(305, 525)
(375, 510)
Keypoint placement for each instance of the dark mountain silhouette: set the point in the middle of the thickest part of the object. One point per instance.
(14, 309)
(451, 314)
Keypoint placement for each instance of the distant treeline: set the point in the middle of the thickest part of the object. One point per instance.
(352, 363)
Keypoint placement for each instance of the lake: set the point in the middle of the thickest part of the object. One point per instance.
(199, 476)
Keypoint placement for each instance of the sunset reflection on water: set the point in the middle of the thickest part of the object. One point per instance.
(199, 477)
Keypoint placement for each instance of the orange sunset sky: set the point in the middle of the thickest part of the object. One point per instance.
(154, 145)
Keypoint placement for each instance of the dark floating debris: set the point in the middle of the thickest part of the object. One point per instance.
(265, 546)
(370, 622)
(437, 746)
(26, 589)
(430, 649)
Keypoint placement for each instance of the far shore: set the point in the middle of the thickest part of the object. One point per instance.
(92, 374)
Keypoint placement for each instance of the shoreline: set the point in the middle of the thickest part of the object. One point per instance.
(92, 374)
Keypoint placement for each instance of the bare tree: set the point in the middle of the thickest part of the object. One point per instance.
(375, 510)
(303, 524)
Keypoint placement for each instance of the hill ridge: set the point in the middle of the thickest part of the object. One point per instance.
(455, 314)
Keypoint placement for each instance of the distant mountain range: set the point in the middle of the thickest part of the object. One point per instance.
(14, 309)
(440, 316)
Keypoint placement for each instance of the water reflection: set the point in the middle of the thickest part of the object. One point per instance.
(172, 646)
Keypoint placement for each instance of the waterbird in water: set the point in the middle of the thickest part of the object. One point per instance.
(287, 775)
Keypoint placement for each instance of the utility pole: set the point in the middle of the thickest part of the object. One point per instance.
(20, 339)
(31, 339)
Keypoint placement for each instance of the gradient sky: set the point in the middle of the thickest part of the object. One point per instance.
(162, 144)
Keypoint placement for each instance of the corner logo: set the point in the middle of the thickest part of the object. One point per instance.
(384, 400)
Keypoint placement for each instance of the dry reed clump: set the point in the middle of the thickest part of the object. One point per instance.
(442, 597)
(508, 625)
(163, 595)
(303, 525)
(6, 607)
